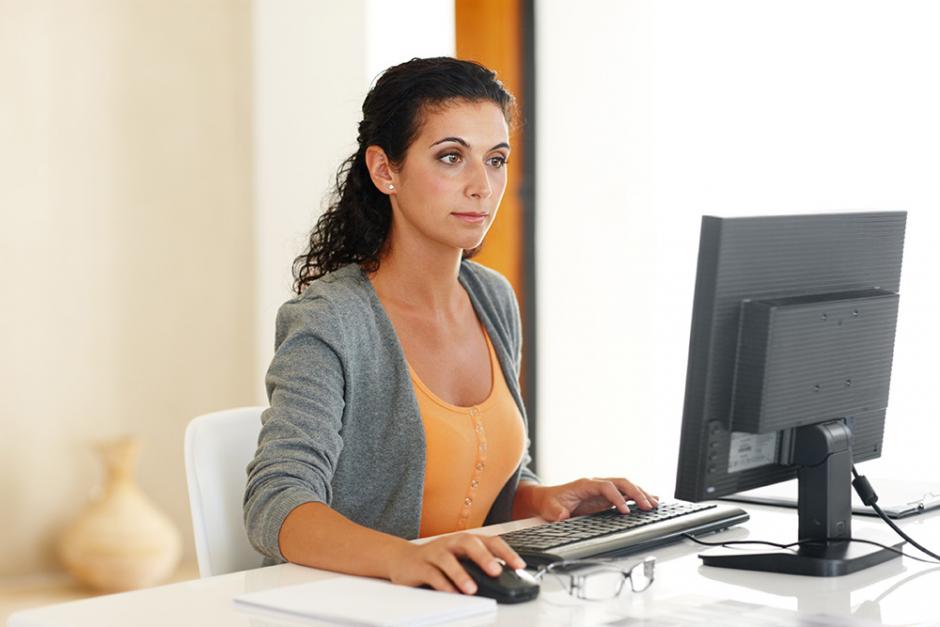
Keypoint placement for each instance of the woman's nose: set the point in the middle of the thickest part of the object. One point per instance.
(479, 186)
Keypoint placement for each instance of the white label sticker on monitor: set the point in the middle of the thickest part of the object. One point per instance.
(751, 450)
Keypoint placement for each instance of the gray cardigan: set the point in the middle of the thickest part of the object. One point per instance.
(343, 427)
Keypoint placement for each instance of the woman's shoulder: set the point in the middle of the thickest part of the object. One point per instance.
(338, 298)
(345, 284)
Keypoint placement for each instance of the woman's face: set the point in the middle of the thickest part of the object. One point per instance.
(453, 176)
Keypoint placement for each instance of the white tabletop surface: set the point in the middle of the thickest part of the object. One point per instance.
(899, 592)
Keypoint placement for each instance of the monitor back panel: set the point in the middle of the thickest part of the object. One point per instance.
(764, 258)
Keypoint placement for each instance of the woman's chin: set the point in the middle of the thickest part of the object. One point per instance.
(468, 246)
(461, 241)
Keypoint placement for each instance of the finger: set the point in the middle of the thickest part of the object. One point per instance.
(592, 505)
(500, 549)
(593, 495)
(447, 562)
(436, 579)
(613, 494)
(633, 491)
(473, 547)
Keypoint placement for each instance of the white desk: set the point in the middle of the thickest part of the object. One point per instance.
(900, 592)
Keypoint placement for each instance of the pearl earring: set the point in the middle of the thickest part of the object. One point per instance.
(390, 186)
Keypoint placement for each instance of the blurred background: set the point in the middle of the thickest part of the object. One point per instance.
(162, 162)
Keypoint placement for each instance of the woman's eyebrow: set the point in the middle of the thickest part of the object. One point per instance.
(464, 143)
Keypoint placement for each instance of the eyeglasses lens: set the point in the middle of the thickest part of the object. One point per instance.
(600, 585)
(641, 575)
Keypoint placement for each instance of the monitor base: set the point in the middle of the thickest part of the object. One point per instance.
(816, 558)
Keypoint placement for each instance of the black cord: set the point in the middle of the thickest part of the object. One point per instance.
(890, 548)
(689, 536)
(788, 547)
(868, 496)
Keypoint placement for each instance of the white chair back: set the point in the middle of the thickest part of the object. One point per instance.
(217, 448)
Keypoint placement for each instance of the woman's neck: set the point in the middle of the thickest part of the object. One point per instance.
(420, 278)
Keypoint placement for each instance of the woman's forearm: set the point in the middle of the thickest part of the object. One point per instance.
(314, 534)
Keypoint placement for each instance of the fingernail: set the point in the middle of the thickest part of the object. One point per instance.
(495, 568)
(470, 587)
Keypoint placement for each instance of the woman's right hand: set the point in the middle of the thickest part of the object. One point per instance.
(435, 563)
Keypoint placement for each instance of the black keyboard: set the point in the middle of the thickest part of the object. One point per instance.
(610, 533)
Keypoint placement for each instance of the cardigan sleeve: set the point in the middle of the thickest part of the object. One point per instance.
(300, 439)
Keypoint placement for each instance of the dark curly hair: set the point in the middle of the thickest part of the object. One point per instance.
(355, 226)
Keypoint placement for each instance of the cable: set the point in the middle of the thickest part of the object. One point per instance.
(883, 546)
(868, 496)
(788, 547)
(725, 544)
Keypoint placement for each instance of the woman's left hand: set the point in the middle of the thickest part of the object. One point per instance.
(584, 496)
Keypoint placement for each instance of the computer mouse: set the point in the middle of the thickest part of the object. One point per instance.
(507, 587)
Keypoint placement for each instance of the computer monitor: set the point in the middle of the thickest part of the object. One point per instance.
(790, 353)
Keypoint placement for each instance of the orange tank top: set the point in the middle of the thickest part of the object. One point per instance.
(471, 453)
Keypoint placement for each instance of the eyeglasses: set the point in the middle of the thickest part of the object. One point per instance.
(599, 580)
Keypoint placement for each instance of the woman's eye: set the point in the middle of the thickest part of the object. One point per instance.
(450, 158)
(499, 162)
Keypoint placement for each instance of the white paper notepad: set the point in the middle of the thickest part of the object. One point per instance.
(363, 601)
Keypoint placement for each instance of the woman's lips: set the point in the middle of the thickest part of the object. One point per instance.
(472, 218)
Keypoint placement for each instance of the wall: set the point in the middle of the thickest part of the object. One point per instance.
(126, 242)
(652, 114)
(397, 31)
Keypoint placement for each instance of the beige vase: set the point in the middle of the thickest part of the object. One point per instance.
(120, 541)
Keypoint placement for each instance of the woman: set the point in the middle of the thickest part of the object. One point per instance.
(395, 407)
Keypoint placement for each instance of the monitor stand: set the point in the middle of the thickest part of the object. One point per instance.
(823, 453)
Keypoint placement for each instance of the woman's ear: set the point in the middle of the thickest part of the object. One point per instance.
(380, 170)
